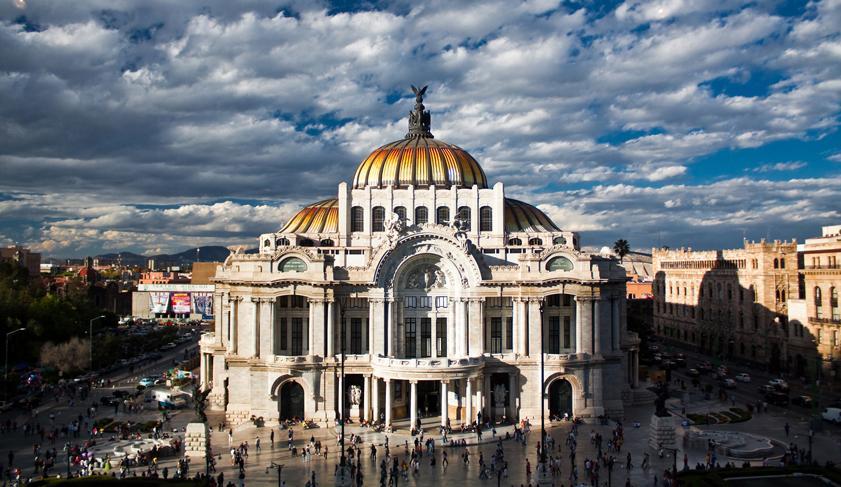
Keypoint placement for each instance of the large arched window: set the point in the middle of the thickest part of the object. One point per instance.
(515, 241)
(292, 264)
(421, 215)
(326, 242)
(442, 215)
(559, 263)
(782, 263)
(486, 223)
(400, 211)
(357, 216)
(776, 263)
(267, 243)
(535, 241)
(833, 303)
(463, 216)
(559, 241)
(282, 242)
(378, 219)
(818, 299)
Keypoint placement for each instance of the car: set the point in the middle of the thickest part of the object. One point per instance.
(728, 383)
(668, 365)
(121, 393)
(743, 377)
(778, 398)
(779, 384)
(693, 373)
(722, 370)
(803, 401)
(832, 414)
(680, 360)
(147, 381)
(109, 401)
(705, 367)
(766, 389)
(168, 346)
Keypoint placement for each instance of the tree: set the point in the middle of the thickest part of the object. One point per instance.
(70, 356)
(621, 248)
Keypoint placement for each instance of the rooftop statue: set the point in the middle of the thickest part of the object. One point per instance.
(419, 118)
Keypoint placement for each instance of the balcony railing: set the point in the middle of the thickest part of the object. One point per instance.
(823, 266)
(829, 321)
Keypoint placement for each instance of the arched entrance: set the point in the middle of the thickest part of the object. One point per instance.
(291, 401)
(560, 398)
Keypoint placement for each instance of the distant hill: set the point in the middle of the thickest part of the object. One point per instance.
(210, 253)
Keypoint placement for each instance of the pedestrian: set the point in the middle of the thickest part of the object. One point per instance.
(787, 428)
(257, 444)
(271, 438)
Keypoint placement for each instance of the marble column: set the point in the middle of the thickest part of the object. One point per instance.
(535, 340)
(392, 326)
(267, 328)
(476, 327)
(444, 403)
(615, 321)
(255, 327)
(331, 315)
(452, 337)
(512, 396)
(468, 401)
(203, 370)
(341, 398)
(413, 403)
(465, 332)
(480, 395)
(515, 313)
(375, 326)
(388, 404)
(234, 348)
(375, 398)
(366, 399)
(584, 324)
(523, 327)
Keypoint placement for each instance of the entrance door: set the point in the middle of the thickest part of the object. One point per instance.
(560, 398)
(429, 398)
(291, 401)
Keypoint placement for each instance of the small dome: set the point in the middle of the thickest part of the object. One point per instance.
(419, 161)
(321, 217)
(523, 217)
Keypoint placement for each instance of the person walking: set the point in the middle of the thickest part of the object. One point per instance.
(787, 428)
(271, 439)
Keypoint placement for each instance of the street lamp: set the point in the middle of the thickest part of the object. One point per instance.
(90, 333)
(542, 472)
(342, 474)
(6, 365)
(279, 468)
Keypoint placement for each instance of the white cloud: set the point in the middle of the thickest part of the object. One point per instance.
(780, 166)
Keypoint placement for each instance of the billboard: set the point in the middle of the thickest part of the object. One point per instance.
(203, 305)
(181, 303)
(158, 302)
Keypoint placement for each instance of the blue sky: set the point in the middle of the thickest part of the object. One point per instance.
(157, 126)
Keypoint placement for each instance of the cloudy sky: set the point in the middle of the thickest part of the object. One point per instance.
(155, 125)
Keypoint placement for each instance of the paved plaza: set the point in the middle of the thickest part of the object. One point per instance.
(297, 470)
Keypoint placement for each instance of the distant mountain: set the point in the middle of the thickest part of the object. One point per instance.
(210, 253)
(127, 258)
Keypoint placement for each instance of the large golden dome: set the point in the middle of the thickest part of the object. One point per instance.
(321, 217)
(419, 161)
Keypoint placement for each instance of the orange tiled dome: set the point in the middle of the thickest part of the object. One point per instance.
(321, 217)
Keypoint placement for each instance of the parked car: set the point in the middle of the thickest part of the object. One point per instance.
(680, 360)
(766, 389)
(722, 370)
(693, 373)
(778, 398)
(832, 414)
(705, 367)
(728, 383)
(109, 401)
(803, 401)
(779, 384)
(168, 346)
(147, 381)
(743, 377)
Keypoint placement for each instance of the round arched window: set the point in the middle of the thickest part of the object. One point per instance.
(559, 263)
(292, 264)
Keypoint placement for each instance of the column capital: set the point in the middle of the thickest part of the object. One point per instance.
(235, 299)
(586, 298)
(445, 381)
(413, 381)
(535, 299)
(316, 300)
(377, 300)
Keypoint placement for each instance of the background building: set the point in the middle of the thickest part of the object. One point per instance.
(732, 303)
(22, 257)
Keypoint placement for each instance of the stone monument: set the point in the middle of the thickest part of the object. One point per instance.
(661, 432)
(355, 394)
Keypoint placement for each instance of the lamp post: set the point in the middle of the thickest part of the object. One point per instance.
(543, 477)
(279, 468)
(6, 365)
(90, 333)
(342, 474)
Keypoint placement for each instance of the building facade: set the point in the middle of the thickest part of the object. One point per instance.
(732, 303)
(434, 287)
(820, 285)
(22, 257)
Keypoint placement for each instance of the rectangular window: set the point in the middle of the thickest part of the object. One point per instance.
(356, 335)
(411, 301)
(567, 333)
(441, 337)
(554, 334)
(410, 335)
(442, 301)
(496, 335)
(424, 302)
(426, 337)
(297, 336)
(284, 341)
(509, 333)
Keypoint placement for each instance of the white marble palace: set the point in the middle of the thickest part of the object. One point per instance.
(435, 287)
